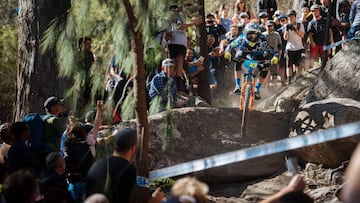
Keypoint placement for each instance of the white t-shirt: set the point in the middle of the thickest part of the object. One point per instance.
(295, 42)
(179, 37)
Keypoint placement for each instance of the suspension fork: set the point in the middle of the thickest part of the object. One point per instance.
(248, 79)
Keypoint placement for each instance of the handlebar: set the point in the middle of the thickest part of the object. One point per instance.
(263, 63)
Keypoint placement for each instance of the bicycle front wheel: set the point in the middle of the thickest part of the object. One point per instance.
(247, 97)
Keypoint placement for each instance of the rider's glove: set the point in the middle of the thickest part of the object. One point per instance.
(274, 60)
(227, 56)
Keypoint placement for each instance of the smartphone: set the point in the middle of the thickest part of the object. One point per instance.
(201, 58)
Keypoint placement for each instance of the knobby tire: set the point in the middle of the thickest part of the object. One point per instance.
(247, 97)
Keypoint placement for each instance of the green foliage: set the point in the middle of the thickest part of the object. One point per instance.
(8, 58)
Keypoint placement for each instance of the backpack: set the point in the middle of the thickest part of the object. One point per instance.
(35, 122)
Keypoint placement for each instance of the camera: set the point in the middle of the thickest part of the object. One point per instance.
(290, 27)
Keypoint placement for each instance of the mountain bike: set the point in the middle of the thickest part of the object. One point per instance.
(250, 68)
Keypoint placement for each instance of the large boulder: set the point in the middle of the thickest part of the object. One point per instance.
(322, 115)
(203, 132)
(340, 77)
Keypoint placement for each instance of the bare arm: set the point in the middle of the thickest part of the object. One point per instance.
(297, 183)
(351, 189)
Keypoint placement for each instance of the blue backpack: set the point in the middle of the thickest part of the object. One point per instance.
(35, 122)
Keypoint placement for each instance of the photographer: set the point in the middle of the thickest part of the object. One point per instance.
(294, 33)
(214, 29)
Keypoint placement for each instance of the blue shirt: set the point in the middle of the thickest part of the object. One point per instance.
(158, 87)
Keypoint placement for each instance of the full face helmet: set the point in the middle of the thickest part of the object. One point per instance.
(252, 32)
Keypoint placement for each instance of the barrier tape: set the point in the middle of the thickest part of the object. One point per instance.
(330, 46)
(344, 131)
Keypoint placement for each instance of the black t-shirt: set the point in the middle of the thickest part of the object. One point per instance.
(318, 29)
(122, 179)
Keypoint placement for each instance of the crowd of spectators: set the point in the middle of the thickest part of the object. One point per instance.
(64, 160)
(299, 36)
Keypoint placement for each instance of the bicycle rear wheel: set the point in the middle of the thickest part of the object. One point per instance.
(247, 97)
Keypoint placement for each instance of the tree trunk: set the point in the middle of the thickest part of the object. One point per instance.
(204, 76)
(37, 74)
(142, 125)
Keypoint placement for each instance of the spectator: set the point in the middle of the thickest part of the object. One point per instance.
(350, 192)
(274, 40)
(115, 175)
(214, 29)
(54, 175)
(56, 195)
(354, 19)
(294, 33)
(232, 34)
(178, 42)
(6, 139)
(85, 62)
(53, 125)
(240, 7)
(329, 9)
(97, 198)
(164, 82)
(214, 62)
(269, 6)
(225, 21)
(291, 193)
(244, 20)
(20, 187)
(188, 190)
(317, 29)
(264, 16)
(276, 19)
(78, 157)
(194, 67)
(305, 18)
(344, 13)
(282, 63)
(116, 168)
(20, 155)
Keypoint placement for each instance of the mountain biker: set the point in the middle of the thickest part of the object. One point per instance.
(252, 43)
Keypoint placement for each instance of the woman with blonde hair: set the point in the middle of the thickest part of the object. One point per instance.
(240, 7)
(188, 190)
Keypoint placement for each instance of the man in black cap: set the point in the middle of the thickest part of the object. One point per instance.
(115, 175)
(270, 6)
(53, 125)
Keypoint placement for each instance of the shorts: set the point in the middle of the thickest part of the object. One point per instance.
(282, 61)
(237, 66)
(315, 51)
(294, 57)
(176, 50)
(263, 73)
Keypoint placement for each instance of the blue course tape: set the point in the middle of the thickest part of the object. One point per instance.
(330, 46)
(344, 131)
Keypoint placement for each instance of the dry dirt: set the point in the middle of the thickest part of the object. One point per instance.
(254, 191)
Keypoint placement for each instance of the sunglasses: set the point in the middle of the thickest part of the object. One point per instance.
(283, 20)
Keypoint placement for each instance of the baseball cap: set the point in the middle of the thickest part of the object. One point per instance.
(270, 22)
(263, 14)
(173, 7)
(278, 13)
(167, 62)
(281, 17)
(243, 14)
(291, 12)
(313, 7)
(52, 101)
(124, 138)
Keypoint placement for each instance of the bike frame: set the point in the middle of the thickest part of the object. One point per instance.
(249, 69)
